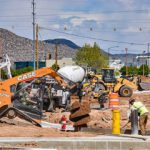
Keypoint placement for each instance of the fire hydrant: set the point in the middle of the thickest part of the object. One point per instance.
(63, 122)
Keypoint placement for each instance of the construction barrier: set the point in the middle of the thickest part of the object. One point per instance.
(114, 101)
(116, 122)
(114, 104)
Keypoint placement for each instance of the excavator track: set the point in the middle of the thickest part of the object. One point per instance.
(19, 114)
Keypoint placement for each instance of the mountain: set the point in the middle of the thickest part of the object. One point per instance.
(21, 49)
(63, 42)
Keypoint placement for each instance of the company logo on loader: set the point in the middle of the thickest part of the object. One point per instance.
(27, 76)
(4, 95)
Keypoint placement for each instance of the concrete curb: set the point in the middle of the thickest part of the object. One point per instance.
(79, 143)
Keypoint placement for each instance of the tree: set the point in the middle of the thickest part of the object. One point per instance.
(146, 70)
(3, 74)
(91, 56)
(55, 67)
(15, 72)
(123, 70)
(20, 71)
(132, 70)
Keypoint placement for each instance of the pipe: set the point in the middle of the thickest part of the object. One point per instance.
(134, 122)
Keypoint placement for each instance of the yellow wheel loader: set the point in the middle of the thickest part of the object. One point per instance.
(124, 86)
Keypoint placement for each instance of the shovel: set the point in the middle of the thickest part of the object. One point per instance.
(123, 127)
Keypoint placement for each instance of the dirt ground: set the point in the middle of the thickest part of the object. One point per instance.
(145, 79)
(100, 119)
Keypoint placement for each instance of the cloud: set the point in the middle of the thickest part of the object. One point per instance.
(56, 26)
(127, 3)
(130, 29)
(78, 16)
(77, 19)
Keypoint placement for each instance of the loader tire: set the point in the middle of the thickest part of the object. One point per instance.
(125, 91)
(102, 86)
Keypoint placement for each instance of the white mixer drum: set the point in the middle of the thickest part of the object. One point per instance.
(73, 73)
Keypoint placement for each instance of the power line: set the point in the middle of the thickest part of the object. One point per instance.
(70, 13)
(19, 21)
(15, 16)
(100, 29)
(107, 11)
(98, 20)
(110, 29)
(93, 38)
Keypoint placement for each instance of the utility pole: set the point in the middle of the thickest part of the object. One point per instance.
(148, 58)
(56, 54)
(126, 62)
(1, 53)
(33, 14)
(37, 46)
(143, 64)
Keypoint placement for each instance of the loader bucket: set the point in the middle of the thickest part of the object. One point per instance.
(144, 86)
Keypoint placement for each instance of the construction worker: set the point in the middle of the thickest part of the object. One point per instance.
(65, 98)
(142, 112)
(79, 91)
(103, 97)
(25, 97)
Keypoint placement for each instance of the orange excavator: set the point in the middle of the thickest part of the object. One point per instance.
(11, 107)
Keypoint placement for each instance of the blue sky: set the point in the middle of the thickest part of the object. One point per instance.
(98, 20)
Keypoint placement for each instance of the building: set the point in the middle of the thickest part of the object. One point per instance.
(143, 60)
(116, 64)
(24, 64)
(61, 62)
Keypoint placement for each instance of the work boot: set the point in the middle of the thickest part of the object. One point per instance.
(102, 107)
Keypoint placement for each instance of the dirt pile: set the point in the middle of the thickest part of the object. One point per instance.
(145, 79)
(100, 119)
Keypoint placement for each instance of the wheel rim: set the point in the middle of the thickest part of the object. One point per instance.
(125, 91)
(11, 114)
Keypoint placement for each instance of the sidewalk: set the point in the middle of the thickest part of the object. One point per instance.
(79, 143)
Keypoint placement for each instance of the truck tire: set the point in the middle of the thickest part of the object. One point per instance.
(125, 91)
(102, 86)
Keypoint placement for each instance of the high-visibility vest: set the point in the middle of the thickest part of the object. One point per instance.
(139, 107)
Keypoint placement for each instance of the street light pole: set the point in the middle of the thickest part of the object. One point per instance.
(148, 58)
(108, 52)
(126, 62)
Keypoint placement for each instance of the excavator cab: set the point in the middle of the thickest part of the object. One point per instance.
(108, 75)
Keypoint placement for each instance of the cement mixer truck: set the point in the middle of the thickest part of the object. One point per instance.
(61, 96)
